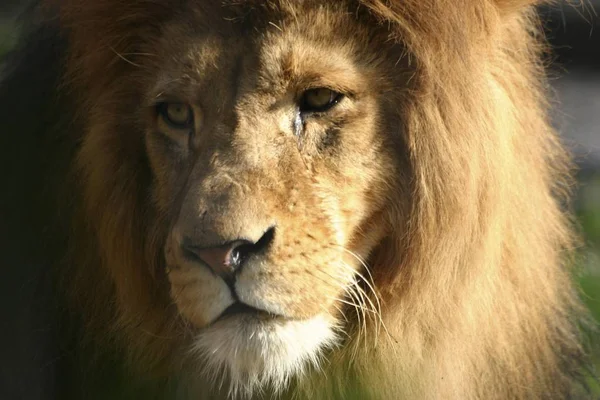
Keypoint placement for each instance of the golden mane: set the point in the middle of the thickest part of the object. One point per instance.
(477, 301)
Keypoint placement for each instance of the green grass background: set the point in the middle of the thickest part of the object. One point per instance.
(588, 214)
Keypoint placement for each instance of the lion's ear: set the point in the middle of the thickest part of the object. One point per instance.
(508, 6)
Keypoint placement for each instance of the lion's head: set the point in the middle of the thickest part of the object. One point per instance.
(274, 158)
(276, 164)
(268, 185)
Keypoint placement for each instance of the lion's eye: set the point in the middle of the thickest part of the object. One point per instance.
(319, 100)
(177, 115)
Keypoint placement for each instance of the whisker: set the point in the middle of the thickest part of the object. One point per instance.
(370, 283)
(122, 57)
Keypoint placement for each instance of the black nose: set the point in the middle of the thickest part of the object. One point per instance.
(226, 259)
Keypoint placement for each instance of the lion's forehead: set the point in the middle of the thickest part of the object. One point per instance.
(283, 48)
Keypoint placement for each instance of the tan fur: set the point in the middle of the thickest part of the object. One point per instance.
(446, 179)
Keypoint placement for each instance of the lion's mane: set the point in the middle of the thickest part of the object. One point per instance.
(477, 301)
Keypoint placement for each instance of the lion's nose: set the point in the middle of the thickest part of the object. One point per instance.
(225, 260)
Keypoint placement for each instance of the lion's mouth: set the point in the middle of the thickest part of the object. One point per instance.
(241, 309)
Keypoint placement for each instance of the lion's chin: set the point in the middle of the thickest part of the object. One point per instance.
(252, 353)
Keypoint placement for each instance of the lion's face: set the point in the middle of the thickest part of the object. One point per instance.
(273, 159)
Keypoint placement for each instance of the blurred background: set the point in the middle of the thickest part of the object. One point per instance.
(574, 33)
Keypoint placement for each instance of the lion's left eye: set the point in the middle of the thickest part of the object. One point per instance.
(176, 115)
(319, 100)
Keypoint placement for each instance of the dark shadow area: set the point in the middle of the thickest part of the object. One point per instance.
(574, 34)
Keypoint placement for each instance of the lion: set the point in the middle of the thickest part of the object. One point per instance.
(286, 199)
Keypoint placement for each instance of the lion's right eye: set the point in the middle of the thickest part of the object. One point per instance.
(176, 115)
(319, 100)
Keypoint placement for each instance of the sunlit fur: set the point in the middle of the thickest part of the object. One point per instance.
(261, 355)
(420, 256)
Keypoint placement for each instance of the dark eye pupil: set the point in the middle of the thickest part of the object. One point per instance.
(318, 100)
(177, 115)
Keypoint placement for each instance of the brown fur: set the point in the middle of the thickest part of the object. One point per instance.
(445, 177)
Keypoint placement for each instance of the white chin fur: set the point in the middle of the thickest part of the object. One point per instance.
(257, 354)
